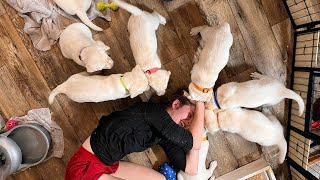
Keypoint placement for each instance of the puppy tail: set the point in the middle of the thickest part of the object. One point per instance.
(84, 18)
(292, 95)
(130, 8)
(53, 94)
(282, 150)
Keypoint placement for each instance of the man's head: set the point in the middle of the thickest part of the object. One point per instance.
(181, 110)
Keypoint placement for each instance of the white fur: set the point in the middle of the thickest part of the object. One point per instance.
(263, 90)
(76, 40)
(82, 87)
(251, 125)
(216, 42)
(79, 8)
(142, 27)
(203, 172)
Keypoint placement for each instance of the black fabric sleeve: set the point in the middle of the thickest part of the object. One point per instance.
(168, 129)
(176, 155)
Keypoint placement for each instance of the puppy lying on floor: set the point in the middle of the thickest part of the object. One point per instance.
(216, 42)
(82, 87)
(79, 8)
(251, 125)
(203, 172)
(143, 40)
(259, 91)
(76, 42)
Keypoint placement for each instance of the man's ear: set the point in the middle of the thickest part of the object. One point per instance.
(175, 104)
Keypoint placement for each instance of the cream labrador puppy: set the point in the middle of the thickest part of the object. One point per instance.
(262, 90)
(76, 43)
(82, 87)
(203, 172)
(216, 43)
(251, 125)
(142, 27)
(79, 8)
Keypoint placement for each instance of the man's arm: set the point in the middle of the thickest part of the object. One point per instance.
(197, 125)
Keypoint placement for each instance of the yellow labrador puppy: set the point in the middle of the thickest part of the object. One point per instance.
(203, 172)
(216, 42)
(251, 125)
(79, 8)
(142, 27)
(262, 90)
(76, 43)
(82, 87)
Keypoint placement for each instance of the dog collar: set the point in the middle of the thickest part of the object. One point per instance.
(215, 99)
(204, 138)
(123, 84)
(152, 70)
(204, 90)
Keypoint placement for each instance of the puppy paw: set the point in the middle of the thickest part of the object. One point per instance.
(162, 20)
(255, 75)
(194, 31)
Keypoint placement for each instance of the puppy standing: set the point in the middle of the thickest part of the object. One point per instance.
(216, 42)
(79, 8)
(143, 40)
(203, 172)
(251, 125)
(262, 90)
(84, 88)
(76, 42)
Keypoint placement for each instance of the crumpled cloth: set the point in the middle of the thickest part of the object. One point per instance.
(42, 116)
(44, 20)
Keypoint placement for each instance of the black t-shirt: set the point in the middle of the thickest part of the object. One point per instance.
(136, 129)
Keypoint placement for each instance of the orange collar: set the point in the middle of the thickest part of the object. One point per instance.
(204, 90)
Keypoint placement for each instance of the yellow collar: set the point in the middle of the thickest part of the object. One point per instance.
(123, 84)
(204, 138)
(204, 90)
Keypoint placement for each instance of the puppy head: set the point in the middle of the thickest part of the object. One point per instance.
(159, 81)
(139, 82)
(197, 95)
(96, 58)
(210, 121)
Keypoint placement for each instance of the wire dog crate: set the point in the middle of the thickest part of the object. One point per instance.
(303, 155)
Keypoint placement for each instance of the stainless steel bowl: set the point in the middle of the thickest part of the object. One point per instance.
(10, 155)
(34, 142)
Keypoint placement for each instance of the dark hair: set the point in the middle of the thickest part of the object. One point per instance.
(167, 102)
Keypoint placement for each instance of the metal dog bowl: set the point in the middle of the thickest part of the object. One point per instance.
(10, 156)
(34, 142)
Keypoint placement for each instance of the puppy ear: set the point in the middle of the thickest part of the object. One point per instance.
(101, 44)
(186, 94)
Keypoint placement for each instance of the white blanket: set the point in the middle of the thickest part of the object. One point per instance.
(44, 20)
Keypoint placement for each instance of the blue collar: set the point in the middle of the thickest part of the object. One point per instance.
(216, 99)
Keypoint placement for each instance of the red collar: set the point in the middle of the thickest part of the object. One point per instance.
(152, 70)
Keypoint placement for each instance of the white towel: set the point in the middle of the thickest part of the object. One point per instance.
(44, 20)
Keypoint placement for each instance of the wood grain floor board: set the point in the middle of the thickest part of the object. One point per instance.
(275, 11)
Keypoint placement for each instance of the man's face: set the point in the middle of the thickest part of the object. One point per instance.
(185, 115)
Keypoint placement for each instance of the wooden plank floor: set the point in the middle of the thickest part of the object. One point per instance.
(262, 42)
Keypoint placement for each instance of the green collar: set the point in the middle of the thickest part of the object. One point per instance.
(123, 84)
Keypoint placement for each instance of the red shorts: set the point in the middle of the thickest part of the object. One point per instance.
(85, 165)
